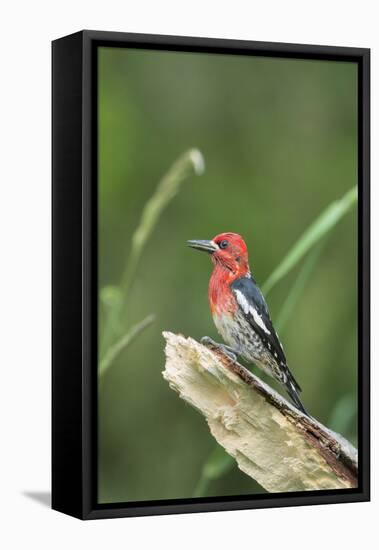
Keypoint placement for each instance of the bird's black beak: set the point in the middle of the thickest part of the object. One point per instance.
(205, 246)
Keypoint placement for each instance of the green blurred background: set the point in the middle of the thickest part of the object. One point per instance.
(279, 138)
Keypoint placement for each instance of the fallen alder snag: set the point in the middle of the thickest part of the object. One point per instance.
(271, 441)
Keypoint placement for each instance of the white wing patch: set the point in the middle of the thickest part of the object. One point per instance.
(248, 308)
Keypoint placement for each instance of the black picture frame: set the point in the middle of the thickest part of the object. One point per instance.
(74, 273)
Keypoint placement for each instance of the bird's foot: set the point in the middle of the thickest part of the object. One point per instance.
(206, 341)
(227, 350)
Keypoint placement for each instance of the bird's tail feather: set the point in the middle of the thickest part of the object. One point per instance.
(293, 393)
(293, 381)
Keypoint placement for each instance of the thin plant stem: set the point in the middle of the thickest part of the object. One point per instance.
(297, 288)
(320, 227)
(123, 343)
(190, 163)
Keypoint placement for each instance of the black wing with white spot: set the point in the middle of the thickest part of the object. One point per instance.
(253, 305)
(254, 309)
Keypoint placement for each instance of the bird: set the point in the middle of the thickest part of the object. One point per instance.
(240, 312)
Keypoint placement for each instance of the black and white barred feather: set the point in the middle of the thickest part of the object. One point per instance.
(251, 334)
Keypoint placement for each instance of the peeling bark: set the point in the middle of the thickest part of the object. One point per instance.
(271, 441)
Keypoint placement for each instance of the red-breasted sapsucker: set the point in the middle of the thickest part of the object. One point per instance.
(240, 312)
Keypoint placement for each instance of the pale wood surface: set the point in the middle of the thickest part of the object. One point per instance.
(271, 441)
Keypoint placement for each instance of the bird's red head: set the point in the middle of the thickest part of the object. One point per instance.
(228, 252)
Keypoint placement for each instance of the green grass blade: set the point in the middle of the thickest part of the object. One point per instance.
(320, 227)
(217, 465)
(188, 164)
(297, 288)
(121, 344)
(344, 415)
(110, 298)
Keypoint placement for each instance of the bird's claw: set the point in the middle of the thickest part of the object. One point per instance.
(206, 341)
(228, 351)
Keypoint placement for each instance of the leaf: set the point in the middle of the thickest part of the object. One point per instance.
(297, 288)
(320, 227)
(110, 296)
(218, 463)
(344, 414)
(123, 343)
(110, 299)
(191, 162)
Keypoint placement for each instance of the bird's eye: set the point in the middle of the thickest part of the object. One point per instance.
(223, 244)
